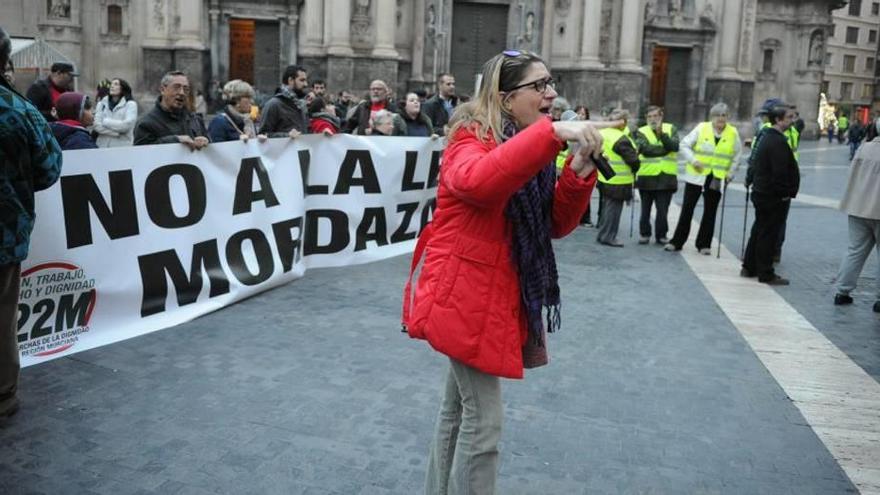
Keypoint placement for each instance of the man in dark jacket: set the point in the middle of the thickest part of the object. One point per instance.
(775, 182)
(363, 114)
(439, 107)
(286, 114)
(170, 121)
(31, 160)
(43, 93)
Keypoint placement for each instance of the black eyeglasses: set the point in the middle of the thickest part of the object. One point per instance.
(540, 85)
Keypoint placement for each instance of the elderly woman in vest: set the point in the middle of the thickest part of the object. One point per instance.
(489, 279)
(115, 116)
(711, 153)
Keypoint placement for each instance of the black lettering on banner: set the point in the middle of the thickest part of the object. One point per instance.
(401, 234)
(289, 247)
(409, 173)
(339, 235)
(367, 180)
(262, 252)
(24, 312)
(44, 308)
(157, 193)
(154, 266)
(364, 234)
(245, 196)
(79, 192)
(70, 314)
(434, 171)
(428, 213)
(305, 159)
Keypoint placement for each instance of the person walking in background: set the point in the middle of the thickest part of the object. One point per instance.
(861, 203)
(31, 161)
(617, 190)
(657, 179)
(776, 181)
(439, 107)
(234, 122)
(842, 127)
(43, 93)
(74, 112)
(498, 206)
(170, 120)
(560, 105)
(115, 116)
(855, 134)
(286, 114)
(323, 117)
(711, 152)
(417, 123)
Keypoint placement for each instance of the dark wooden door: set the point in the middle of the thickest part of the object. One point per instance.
(241, 49)
(267, 57)
(479, 31)
(676, 85)
(659, 66)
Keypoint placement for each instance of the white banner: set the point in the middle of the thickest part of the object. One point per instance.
(133, 240)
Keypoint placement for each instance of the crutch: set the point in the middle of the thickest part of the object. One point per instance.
(632, 210)
(721, 226)
(742, 254)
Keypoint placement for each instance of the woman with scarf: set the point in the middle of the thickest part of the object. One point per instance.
(488, 289)
(234, 122)
(323, 119)
(115, 116)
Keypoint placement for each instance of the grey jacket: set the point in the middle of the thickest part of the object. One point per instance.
(862, 196)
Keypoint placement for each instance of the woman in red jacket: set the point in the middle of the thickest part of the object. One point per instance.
(489, 278)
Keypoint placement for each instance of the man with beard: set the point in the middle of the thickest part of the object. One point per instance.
(170, 121)
(286, 113)
(366, 110)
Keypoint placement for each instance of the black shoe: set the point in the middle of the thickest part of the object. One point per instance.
(776, 280)
(841, 299)
(745, 273)
(877, 307)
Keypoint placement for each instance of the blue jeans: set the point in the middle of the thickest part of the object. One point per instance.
(464, 454)
(864, 236)
(853, 146)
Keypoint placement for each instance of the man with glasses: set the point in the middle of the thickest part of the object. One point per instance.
(171, 120)
(363, 114)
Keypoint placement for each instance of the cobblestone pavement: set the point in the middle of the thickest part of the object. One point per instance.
(311, 389)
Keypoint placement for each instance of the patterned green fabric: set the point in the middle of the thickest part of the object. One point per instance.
(31, 161)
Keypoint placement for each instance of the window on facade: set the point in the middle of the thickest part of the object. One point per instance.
(114, 19)
(867, 91)
(828, 59)
(833, 28)
(869, 64)
(849, 63)
(855, 7)
(872, 36)
(846, 90)
(875, 8)
(852, 35)
(768, 61)
(824, 87)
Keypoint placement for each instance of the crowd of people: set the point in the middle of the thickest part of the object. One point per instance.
(851, 133)
(512, 179)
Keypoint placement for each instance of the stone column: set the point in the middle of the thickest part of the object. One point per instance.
(730, 29)
(632, 24)
(385, 22)
(418, 39)
(340, 36)
(592, 26)
(189, 32)
(312, 36)
(214, 16)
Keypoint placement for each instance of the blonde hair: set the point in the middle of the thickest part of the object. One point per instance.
(486, 112)
(235, 89)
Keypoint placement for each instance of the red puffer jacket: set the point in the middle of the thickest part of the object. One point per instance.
(467, 298)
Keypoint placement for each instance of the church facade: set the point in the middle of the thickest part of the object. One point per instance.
(682, 54)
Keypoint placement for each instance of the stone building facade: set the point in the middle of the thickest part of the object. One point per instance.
(683, 54)
(851, 65)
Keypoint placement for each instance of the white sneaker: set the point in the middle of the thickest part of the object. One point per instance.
(644, 240)
(671, 247)
(706, 251)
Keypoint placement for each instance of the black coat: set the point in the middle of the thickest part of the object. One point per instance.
(159, 126)
(41, 96)
(282, 113)
(775, 169)
(72, 138)
(433, 108)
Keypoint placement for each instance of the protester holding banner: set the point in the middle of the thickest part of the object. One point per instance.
(489, 274)
(170, 121)
(31, 160)
(235, 122)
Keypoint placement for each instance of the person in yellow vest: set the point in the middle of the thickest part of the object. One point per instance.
(842, 127)
(624, 159)
(657, 179)
(711, 153)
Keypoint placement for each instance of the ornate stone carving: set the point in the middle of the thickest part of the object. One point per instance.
(708, 15)
(650, 11)
(817, 48)
(59, 9)
(747, 31)
(158, 14)
(361, 24)
(529, 31)
(562, 6)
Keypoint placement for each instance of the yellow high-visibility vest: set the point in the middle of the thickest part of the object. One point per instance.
(623, 173)
(655, 165)
(719, 160)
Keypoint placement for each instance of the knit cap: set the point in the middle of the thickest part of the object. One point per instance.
(69, 105)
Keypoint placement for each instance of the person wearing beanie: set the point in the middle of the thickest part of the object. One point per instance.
(74, 112)
(323, 119)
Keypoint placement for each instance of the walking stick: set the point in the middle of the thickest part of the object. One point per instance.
(721, 226)
(742, 253)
